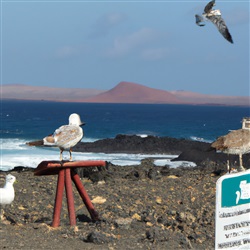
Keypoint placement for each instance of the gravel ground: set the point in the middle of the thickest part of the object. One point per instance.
(140, 207)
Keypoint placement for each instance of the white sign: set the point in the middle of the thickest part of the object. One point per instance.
(233, 211)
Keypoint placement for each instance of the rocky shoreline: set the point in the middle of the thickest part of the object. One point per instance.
(188, 150)
(140, 207)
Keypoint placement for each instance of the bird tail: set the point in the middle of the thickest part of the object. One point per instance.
(35, 143)
(199, 20)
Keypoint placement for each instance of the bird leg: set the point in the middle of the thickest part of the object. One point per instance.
(1, 213)
(61, 157)
(70, 154)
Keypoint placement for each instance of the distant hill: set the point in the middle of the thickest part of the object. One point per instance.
(127, 92)
(124, 92)
(197, 98)
(27, 92)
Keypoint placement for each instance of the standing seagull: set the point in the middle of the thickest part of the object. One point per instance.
(215, 17)
(65, 137)
(7, 193)
(235, 142)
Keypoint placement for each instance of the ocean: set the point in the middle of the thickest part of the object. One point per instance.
(23, 121)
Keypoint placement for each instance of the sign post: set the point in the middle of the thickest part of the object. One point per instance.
(232, 229)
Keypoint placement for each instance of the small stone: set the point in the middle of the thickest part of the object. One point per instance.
(158, 200)
(172, 177)
(49, 206)
(136, 217)
(154, 174)
(172, 212)
(97, 238)
(123, 223)
(181, 216)
(98, 200)
(190, 217)
(101, 182)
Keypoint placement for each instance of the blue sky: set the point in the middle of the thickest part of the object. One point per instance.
(97, 44)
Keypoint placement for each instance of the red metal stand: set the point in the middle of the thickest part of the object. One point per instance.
(66, 174)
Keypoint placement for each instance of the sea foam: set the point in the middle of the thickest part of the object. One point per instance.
(14, 152)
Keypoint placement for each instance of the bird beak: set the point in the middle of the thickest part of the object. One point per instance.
(82, 124)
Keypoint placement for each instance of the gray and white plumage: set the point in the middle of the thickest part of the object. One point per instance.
(215, 17)
(7, 193)
(65, 137)
(209, 6)
(235, 142)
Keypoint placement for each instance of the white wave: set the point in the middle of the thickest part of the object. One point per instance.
(195, 138)
(142, 135)
(174, 164)
(12, 144)
(88, 139)
(14, 152)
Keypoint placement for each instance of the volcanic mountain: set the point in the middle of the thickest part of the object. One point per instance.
(124, 92)
(127, 92)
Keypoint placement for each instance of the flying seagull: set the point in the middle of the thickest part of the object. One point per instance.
(215, 17)
(235, 142)
(7, 193)
(65, 137)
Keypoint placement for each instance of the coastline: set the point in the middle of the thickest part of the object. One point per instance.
(187, 150)
(140, 207)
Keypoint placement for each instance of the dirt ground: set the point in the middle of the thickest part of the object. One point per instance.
(140, 207)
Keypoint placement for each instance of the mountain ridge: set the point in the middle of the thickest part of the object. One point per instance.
(127, 92)
(123, 92)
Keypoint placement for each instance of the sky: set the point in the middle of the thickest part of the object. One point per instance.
(97, 44)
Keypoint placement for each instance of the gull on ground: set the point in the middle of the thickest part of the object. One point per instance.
(7, 193)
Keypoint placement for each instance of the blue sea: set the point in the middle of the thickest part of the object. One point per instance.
(23, 121)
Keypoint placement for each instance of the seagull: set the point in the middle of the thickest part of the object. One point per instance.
(7, 193)
(215, 17)
(235, 142)
(65, 137)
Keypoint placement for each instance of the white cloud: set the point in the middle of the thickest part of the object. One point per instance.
(106, 22)
(155, 53)
(137, 40)
(69, 51)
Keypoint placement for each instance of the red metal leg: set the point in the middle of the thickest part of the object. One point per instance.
(70, 198)
(83, 193)
(58, 199)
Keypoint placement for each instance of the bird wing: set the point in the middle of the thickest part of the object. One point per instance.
(199, 20)
(221, 26)
(49, 140)
(209, 6)
(3, 196)
(68, 136)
